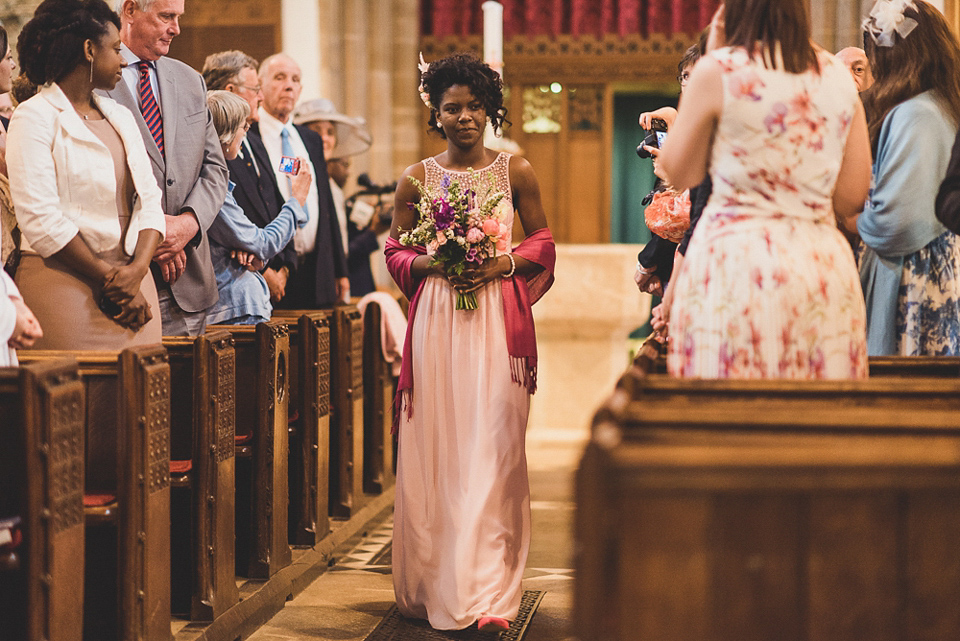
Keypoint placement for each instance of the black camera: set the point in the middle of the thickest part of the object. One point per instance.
(370, 189)
(658, 133)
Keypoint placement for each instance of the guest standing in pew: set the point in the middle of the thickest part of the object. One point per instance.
(320, 279)
(768, 287)
(343, 137)
(462, 522)
(256, 190)
(238, 247)
(87, 205)
(169, 103)
(19, 327)
(910, 262)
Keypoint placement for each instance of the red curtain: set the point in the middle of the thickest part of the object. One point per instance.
(443, 18)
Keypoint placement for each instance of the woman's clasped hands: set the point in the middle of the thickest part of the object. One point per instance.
(121, 286)
(473, 278)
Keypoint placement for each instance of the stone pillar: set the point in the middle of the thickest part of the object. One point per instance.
(409, 115)
(300, 25)
(331, 52)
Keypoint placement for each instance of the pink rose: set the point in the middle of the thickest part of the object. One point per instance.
(474, 235)
(441, 238)
(491, 227)
(432, 248)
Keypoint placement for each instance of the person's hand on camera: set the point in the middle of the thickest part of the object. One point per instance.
(666, 114)
(300, 184)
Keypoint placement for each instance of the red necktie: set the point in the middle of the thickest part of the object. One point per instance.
(148, 105)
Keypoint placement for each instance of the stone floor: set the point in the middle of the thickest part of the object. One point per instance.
(346, 602)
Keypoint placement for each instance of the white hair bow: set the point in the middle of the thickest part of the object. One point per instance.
(424, 96)
(887, 17)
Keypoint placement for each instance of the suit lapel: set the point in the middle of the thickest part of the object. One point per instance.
(169, 102)
(122, 95)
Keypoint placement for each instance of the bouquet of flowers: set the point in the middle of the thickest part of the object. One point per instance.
(459, 227)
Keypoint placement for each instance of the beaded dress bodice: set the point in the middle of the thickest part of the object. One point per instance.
(499, 168)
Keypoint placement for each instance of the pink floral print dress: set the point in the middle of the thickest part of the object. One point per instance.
(769, 287)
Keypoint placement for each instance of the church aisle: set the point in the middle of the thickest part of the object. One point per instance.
(348, 601)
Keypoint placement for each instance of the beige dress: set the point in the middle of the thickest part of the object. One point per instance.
(64, 302)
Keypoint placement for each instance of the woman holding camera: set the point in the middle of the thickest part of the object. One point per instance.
(239, 249)
(86, 201)
(910, 264)
(768, 287)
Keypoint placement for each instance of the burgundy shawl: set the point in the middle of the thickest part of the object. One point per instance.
(519, 294)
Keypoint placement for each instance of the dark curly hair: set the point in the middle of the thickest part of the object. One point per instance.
(51, 43)
(469, 71)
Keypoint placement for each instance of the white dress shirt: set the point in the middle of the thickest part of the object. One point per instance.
(131, 76)
(305, 240)
(340, 204)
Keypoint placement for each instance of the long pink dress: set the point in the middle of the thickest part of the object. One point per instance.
(462, 520)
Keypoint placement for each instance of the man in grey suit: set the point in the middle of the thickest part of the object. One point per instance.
(168, 100)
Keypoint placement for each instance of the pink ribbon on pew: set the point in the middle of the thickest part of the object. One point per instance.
(519, 294)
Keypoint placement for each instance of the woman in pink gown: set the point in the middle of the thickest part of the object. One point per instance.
(462, 521)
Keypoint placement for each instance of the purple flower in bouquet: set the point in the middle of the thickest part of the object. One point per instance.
(473, 256)
(444, 215)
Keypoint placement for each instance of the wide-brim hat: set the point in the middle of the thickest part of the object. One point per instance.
(353, 137)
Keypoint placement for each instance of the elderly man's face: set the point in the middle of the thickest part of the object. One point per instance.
(149, 33)
(248, 88)
(856, 61)
(281, 87)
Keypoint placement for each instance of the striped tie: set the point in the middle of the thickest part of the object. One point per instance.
(148, 105)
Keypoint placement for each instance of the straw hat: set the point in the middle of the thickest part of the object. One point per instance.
(352, 134)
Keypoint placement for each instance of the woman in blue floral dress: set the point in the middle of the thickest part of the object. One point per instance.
(768, 287)
(910, 262)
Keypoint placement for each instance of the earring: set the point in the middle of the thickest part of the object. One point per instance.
(91, 70)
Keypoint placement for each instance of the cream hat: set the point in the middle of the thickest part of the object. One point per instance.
(352, 134)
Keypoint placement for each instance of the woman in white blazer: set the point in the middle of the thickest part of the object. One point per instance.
(87, 203)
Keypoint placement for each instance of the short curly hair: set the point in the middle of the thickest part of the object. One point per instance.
(469, 71)
(51, 43)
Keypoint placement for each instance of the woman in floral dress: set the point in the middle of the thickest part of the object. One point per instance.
(462, 516)
(768, 287)
(910, 262)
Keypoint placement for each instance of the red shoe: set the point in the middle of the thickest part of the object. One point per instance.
(493, 624)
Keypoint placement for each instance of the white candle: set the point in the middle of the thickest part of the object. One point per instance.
(493, 35)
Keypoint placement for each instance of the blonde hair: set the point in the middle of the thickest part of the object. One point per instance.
(229, 112)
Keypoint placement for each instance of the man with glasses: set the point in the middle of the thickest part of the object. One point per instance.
(256, 189)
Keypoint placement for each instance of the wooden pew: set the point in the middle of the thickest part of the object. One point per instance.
(652, 404)
(262, 378)
(309, 431)
(379, 388)
(347, 418)
(794, 539)
(127, 495)
(915, 366)
(203, 474)
(651, 359)
(41, 482)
